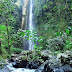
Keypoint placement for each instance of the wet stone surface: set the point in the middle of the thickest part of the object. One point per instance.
(46, 63)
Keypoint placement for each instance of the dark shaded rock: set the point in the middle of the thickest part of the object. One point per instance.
(21, 64)
(47, 68)
(44, 67)
(29, 65)
(44, 58)
(45, 54)
(54, 62)
(15, 64)
(11, 60)
(66, 57)
(65, 60)
(26, 64)
(40, 68)
(34, 64)
(71, 63)
(65, 68)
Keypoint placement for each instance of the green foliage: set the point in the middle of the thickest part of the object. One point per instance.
(27, 35)
(36, 55)
(2, 31)
(16, 50)
(56, 44)
(2, 27)
(10, 17)
(2, 60)
(53, 18)
(4, 54)
(17, 39)
(37, 47)
(68, 44)
(6, 15)
(67, 31)
(62, 42)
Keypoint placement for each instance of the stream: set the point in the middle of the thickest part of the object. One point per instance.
(12, 69)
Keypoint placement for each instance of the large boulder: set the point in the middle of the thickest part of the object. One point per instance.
(65, 68)
(61, 63)
(26, 52)
(28, 59)
(34, 64)
(54, 63)
(69, 53)
(62, 54)
(14, 55)
(21, 64)
(47, 68)
(41, 67)
(49, 65)
(66, 57)
(46, 54)
(71, 63)
(43, 60)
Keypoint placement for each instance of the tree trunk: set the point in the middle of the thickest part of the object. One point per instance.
(8, 37)
(0, 47)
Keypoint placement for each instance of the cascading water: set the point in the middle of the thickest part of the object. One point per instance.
(31, 44)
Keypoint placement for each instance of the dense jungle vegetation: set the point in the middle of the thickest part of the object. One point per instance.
(54, 23)
(10, 22)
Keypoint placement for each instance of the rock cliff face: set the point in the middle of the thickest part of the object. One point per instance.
(23, 4)
(24, 9)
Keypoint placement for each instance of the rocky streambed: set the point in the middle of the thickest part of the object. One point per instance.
(40, 61)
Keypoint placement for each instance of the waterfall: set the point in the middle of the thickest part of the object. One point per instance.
(31, 44)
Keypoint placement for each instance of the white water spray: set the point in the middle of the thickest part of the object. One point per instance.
(31, 44)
